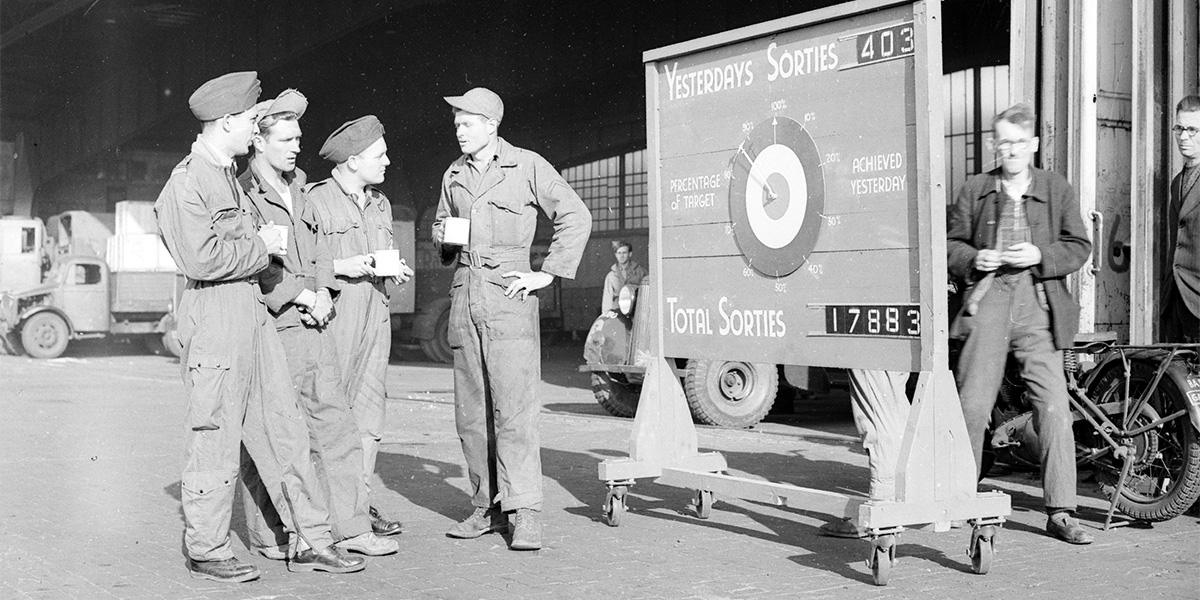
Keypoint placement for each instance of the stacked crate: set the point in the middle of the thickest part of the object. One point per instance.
(135, 245)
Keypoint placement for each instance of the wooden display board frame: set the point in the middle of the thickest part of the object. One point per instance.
(936, 474)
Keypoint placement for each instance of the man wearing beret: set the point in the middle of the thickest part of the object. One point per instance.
(296, 287)
(499, 189)
(234, 371)
(354, 220)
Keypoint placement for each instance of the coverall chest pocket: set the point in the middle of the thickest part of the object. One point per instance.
(207, 375)
(381, 233)
(507, 222)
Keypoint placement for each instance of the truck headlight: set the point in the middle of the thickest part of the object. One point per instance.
(626, 300)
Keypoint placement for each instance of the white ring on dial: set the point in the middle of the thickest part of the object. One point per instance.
(776, 233)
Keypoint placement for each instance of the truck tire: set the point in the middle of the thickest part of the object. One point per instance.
(167, 344)
(438, 348)
(620, 399)
(730, 393)
(45, 335)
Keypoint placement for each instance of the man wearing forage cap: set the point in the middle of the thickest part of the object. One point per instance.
(494, 310)
(296, 287)
(234, 371)
(355, 219)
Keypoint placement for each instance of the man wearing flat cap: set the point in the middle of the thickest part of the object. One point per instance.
(354, 220)
(296, 287)
(494, 318)
(234, 370)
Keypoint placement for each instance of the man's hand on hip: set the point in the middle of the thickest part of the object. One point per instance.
(526, 282)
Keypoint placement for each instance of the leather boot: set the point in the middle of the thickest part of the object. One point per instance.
(483, 520)
(326, 559)
(369, 544)
(228, 570)
(527, 530)
(382, 526)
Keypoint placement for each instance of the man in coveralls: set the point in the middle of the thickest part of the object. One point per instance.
(624, 272)
(494, 316)
(296, 287)
(1013, 235)
(354, 220)
(234, 370)
(1181, 286)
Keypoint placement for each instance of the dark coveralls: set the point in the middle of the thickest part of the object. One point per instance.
(497, 358)
(362, 329)
(1029, 311)
(234, 367)
(314, 366)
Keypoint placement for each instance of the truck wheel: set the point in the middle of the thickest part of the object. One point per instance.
(438, 348)
(45, 335)
(167, 344)
(729, 393)
(618, 398)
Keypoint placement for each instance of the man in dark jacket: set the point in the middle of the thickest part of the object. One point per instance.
(1013, 235)
(1181, 283)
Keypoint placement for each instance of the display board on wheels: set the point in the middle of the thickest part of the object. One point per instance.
(797, 216)
(796, 173)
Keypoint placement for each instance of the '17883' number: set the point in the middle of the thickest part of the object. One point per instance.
(885, 44)
(887, 320)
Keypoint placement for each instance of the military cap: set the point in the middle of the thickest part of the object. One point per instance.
(288, 101)
(479, 101)
(228, 94)
(351, 138)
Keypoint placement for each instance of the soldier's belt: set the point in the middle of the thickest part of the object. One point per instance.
(200, 285)
(476, 259)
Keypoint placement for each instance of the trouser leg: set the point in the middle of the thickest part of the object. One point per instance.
(368, 341)
(264, 528)
(216, 365)
(472, 404)
(333, 433)
(277, 439)
(880, 407)
(980, 368)
(1042, 371)
(513, 365)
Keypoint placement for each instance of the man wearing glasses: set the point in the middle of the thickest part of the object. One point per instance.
(1181, 284)
(1013, 235)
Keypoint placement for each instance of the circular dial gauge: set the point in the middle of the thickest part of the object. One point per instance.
(776, 196)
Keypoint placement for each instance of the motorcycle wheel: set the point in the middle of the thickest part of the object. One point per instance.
(1165, 477)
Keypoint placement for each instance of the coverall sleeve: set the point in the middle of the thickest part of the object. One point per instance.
(572, 219)
(279, 286)
(448, 254)
(960, 234)
(1072, 247)
(190, 233)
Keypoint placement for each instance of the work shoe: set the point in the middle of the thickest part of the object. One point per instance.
(370, 544)
(1067, 528)
(272, 552)
(382, 526)
(229, 570)
(483, 520)
(326, 559)
(843, 528)
(527, 530)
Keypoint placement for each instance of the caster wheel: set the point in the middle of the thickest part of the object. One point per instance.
(982, 549)
(614, 506)
(882, 559)
(704, 503)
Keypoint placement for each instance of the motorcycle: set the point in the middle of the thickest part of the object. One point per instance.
(1136, 412)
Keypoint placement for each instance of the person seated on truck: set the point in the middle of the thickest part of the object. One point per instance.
(624, 272)
(1013, 235)
(1180, 300)
(355, 220)
(296, 288)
